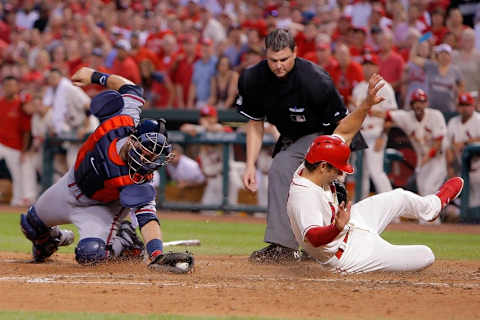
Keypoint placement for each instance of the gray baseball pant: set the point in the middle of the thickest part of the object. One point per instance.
(280, 176)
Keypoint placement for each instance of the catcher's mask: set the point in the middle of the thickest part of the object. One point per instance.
(148, 152)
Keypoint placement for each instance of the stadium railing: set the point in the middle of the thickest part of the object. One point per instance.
(177, 117)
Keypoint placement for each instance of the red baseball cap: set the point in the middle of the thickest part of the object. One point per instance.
(465, 99)
(418, 95)
(208, 111)
(370, 58)
(330, 149)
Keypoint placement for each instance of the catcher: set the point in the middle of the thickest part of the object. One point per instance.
(111, 176)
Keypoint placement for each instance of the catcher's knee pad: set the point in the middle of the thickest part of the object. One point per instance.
(32, 227)
(90, 251)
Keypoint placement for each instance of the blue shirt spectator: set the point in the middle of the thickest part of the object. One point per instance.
(203, 72)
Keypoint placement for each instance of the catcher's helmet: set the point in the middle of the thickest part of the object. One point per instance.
(418, 95)
(330, 149)
(151, 125)
(148, 152)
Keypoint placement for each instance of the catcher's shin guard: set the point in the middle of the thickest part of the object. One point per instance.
(46, 240)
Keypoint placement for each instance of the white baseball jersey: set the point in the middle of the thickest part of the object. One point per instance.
(358, 247)
(308, 206)
(422, 134)
(463, 132)
(211, 159)
(186, 170)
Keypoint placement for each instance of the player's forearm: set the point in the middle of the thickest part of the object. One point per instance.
(320, 236)
(415, 58)
(254, 141)
(351, 124)
(86, 76)
(151, 231)
(115, 82)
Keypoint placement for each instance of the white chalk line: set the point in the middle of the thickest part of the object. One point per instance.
(92, 279)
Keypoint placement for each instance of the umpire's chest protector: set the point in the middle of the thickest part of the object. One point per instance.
(99, 171)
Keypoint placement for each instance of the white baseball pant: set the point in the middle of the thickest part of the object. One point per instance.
(367, 251)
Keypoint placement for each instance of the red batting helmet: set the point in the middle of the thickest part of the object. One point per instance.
(330, 149)
(418, 95)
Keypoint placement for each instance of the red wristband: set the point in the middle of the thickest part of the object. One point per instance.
(432, 152)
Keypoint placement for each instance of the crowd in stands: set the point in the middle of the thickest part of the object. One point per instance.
(188, 54)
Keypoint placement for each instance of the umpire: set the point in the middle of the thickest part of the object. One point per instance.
(299, 98)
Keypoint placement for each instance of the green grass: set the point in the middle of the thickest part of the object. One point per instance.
(22, 315)
(222, 238)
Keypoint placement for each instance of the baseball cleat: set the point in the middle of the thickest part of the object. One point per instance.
(45, 247)
(450, 190)
(66, 238)
(275, 253)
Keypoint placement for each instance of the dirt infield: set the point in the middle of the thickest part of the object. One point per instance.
(223, 285)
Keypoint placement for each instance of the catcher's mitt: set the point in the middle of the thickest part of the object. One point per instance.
(175, 262)
(341, 192)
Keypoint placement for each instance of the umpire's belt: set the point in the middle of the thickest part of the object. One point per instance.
(342, 247)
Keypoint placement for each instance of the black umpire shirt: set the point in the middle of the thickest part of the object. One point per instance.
(305, 101)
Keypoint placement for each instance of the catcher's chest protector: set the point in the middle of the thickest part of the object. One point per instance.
(99, 171)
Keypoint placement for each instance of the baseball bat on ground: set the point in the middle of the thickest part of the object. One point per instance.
(189, 243)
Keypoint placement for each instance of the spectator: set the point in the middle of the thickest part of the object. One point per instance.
(124, 65)
(155, 84)
(234, 49)
(211, 159)
(14, 125)
(323, 56)
(358, 46)
(455, 24)
(414, 76)
(373, 129)
(361, 11)
(462, 131)
(203, 72)
(27, 15)
(438, 28)
(444, 79)
(347, 73)
(284, 19)
(69, 105)
(183, 74)
(212, 29)
(184, 171)
(223, 86)
(306, 40)
(467, 59)
(41, 124)
(391, 63)
(414, 18)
